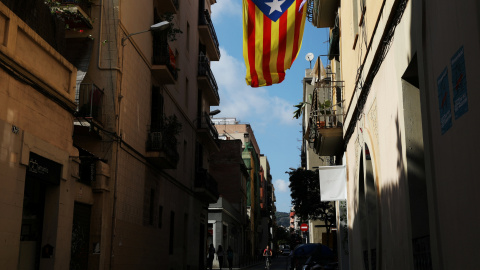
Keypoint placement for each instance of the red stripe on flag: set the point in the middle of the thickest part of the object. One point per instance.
(298, 23)
(251, 43)
(282, 46)
(267, 41)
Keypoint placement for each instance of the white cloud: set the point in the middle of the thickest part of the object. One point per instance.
(226, 9)
(281, 186)
(245, 103)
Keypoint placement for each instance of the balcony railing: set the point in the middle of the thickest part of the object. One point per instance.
(75, 13)
(89, 99)
(205, 123)
(163, 54)
(326, 118)
(160, 140)
(327, 113)
(204, 70)
(206, 186)
(205, 20)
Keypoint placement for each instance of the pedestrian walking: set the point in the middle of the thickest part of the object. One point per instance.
(220, 256)
(230, 257)
(211, 255)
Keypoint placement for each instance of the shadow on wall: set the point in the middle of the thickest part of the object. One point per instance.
(391, 224)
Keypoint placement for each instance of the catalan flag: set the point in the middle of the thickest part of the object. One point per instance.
(272, 37)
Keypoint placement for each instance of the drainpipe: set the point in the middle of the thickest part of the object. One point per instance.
(100, 41)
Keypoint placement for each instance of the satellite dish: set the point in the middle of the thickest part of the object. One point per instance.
(309, 58)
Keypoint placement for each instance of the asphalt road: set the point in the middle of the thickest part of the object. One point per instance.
(279, 263)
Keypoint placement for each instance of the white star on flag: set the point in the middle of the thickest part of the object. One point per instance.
(275, 5)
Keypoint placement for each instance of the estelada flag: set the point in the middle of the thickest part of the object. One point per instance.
(272, 37)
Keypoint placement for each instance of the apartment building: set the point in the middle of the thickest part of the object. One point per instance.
(38, 164)
(227, 218)
(131, 188)
(408, 115)
(230, 128)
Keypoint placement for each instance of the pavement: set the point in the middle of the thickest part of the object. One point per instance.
(279, 263)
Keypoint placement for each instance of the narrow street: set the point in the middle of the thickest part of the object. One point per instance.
(279, 263)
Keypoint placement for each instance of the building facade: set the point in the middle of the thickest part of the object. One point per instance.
(230, 128)
(39, 165)
(227, 218)
(131, 188)
(408, 112)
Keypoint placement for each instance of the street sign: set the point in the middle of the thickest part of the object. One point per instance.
(304, 227)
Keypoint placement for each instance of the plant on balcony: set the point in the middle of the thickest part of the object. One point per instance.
(300, 107)
(65, 10)
(171, 30)
(171, 128)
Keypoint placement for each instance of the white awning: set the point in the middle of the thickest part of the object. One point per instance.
(333, 183)
(318, 75)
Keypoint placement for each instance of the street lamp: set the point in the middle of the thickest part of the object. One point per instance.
(156, 27)
(215, 112)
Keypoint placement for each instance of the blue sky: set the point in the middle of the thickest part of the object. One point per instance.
(268, 110)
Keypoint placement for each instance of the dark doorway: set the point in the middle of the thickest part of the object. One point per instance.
(80, 236)
(32, 223)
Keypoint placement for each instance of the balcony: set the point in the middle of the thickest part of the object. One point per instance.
(75, 13)
(206, 80)
(161, 148)
(325, 128)
(208, 35)
(323, 12)
(207, 132)
(170, 6)
(206, 186)
(163, 60)
(89, 114)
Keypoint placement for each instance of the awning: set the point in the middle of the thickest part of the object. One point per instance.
(333, 183)
(316, 75)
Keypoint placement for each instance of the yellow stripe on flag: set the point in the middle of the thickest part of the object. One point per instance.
(274, 51)
(259, 45)
(290, 35)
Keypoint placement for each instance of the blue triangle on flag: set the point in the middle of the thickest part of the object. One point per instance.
(271, 8)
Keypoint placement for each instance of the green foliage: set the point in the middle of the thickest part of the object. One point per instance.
(282, 235)
(298, 112)
(171, 31)
(305, 193)
(325, 108)
(172, 127)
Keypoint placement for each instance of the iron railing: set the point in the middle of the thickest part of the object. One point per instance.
(204, 180)
(162, 54)
(206, 20)
(205, 122)
(161, 140)
(422, 258)
(327, 112)
(89, 100)
(85, 5)
(205, 70)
